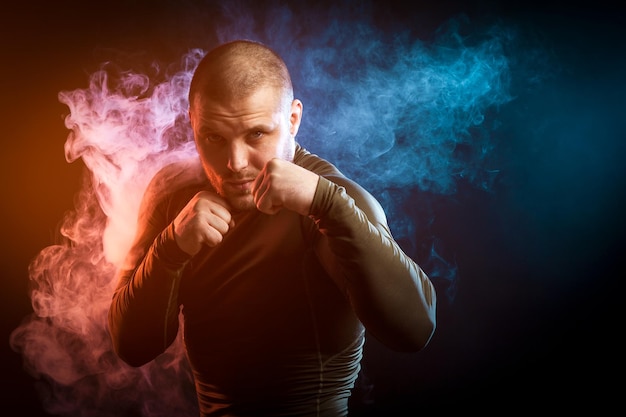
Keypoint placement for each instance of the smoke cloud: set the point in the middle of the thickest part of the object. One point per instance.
(407, 118)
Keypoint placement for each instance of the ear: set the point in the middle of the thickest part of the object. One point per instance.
(295, 117)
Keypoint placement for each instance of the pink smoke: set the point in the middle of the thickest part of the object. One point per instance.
(124, 126)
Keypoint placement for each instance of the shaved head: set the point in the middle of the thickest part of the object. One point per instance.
(237, 69)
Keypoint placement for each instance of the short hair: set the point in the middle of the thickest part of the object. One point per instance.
(237, 69)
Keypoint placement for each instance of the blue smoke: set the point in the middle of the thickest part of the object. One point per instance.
(407, 114)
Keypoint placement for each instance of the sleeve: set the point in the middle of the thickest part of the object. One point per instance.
(143, 315)
(389, 292)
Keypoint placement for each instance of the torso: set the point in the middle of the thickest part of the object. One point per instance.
(263, 319)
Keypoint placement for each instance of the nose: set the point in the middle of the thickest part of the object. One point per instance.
(237, 156)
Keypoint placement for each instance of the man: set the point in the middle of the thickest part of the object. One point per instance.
(278, 261)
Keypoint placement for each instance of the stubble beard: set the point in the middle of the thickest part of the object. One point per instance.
(238, 201)
(241, 202)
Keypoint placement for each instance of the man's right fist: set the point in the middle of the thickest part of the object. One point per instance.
(203, 221)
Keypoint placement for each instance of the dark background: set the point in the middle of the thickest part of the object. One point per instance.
(534, 323)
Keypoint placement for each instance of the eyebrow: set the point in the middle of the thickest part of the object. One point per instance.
(207, 128)
(266, 127)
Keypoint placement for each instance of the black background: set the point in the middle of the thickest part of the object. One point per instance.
(534, 324)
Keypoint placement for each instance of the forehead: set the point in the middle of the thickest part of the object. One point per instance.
(264, 99)
(263, 106)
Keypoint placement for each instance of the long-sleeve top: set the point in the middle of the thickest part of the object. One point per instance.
(274, 316)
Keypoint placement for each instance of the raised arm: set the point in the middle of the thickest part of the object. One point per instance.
(389, 292)
(143, 316)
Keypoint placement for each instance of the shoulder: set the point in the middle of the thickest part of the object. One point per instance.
(314, 163)
(362, 197)
(176, 180)
(180, 173)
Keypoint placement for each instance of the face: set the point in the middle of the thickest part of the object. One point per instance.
(235, 138)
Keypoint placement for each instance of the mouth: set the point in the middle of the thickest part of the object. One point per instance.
(239, 186)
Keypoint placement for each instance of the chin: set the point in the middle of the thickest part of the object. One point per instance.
(242, 202)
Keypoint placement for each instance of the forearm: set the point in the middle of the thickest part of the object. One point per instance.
(143, 317)
(390, 293)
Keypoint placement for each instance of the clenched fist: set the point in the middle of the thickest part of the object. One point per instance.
(282, 184)
(203, 221)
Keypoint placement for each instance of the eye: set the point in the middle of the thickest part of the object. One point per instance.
(213, 138)
(257, 134)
